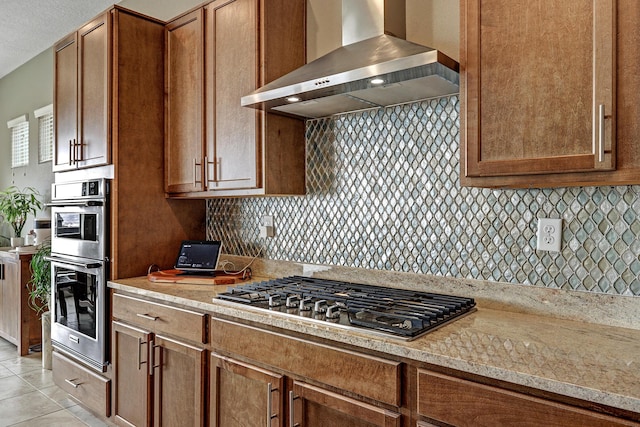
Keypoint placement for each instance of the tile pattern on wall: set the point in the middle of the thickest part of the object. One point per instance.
(383, 193)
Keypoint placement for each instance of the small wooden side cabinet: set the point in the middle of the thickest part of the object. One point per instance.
(19, 324)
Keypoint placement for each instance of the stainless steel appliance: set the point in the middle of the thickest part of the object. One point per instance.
(79, 266)
(375, 67)
(392, 312)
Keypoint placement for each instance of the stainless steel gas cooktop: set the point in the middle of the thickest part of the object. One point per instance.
(393, 312)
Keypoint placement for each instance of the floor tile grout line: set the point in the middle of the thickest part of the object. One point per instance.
(40, 415)
(4, 344)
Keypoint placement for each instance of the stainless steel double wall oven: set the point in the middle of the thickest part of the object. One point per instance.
(79, 270)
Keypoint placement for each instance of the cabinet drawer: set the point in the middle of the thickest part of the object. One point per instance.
(465, 403)
(368, 376)
(93, 390)
(160, 318)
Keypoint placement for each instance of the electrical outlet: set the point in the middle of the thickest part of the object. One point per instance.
(549, 234)
(267, 220)
(266, 226)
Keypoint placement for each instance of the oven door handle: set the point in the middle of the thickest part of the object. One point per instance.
(74, 263)
(84, 203)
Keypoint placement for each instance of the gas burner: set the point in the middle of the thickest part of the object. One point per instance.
(397, 312)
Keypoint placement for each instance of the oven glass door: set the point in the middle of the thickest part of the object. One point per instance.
(78, 231)
(79, 307)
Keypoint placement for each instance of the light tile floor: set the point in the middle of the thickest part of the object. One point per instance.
(28, 396)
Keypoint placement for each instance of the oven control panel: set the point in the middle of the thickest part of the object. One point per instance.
(89, 189)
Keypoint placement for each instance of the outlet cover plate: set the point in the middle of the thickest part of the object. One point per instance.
(549, 234)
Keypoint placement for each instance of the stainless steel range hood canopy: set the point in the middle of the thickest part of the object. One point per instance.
(344, 79)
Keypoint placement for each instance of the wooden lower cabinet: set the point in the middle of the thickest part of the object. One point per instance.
(132, 382)
(157, 381)
(177, 367)
(242, 395)
(298, 382)
(19, 323)
(159, 375)
(179, 383)
(454, 401)
(311, 406)
(245, 395)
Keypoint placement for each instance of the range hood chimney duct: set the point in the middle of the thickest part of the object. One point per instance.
(375, 67)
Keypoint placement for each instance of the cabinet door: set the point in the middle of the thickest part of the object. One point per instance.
(313, 406)
(94, 117)
(10, 301)
(538, 87)
(233, 132)
(244, 395)
(131, 379)
(65, 102)
(184, 115)
(459, 402)
(179, 383)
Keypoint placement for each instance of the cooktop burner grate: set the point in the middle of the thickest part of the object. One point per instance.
(399, 312)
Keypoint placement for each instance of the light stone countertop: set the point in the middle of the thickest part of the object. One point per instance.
(593, 362)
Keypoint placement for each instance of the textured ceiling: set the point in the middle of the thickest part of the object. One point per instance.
(29, 27)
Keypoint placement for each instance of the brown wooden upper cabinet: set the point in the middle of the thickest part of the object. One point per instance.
(538, 91)
(214, 56)
(82, 116)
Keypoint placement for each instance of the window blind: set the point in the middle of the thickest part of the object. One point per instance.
(19, 141)
(45, 133)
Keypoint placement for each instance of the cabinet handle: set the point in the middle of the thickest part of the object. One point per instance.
(146, 316)
(140, 362)
(195, 170)
(601, 134)
(79, 151)
(292, 418)
(216, 173)
(153, 365)
(208, 180)
(1, 271)
(270, 414)
(71, 383)
(71, 147)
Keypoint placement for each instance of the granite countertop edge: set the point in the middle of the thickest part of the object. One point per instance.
(414, 350)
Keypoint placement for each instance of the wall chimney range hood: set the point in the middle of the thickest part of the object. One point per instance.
(366, 72)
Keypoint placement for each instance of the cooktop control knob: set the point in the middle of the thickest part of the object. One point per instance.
(275, 300)
(305, 304)
(292, 301)
(320, 306)
(333, 312)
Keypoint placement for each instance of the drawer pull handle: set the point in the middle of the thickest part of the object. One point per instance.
(292, 418)
(146, 316)
(71, 382)
(270, 414)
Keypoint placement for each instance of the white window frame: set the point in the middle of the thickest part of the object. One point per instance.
(19, 141)
(45, 133)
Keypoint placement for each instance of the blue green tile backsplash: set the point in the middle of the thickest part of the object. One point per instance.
(383, 193)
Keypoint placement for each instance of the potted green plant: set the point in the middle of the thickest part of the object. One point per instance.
(15, 205)
(39, 288)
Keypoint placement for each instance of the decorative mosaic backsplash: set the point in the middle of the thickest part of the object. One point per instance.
(383, 193)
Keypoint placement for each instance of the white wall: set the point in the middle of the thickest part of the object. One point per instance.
(433, 23)
(21, 92)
